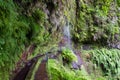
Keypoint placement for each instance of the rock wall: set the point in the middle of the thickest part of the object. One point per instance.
(97, 22)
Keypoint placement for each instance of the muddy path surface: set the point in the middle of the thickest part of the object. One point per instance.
(41, 73)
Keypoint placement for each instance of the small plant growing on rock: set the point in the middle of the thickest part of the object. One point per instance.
(68, 55)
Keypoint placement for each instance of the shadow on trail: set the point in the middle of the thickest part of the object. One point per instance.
(25, 70)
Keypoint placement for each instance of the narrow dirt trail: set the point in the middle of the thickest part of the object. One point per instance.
(41, 73)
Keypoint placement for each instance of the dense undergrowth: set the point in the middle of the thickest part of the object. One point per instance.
(59, 72)
(68, 55)
(17, 31)
(60, 69)
(108, 60)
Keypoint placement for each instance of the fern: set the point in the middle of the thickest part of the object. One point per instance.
(108, 60)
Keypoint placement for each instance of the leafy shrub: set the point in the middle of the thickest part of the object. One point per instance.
(68, 55)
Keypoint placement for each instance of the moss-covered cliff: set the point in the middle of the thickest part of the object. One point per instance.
(97, 21)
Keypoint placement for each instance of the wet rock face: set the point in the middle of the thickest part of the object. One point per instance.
(54, 13)
(57, 12)
(114, 45)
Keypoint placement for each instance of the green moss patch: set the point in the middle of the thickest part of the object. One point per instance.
(68, 55)
(59, 72)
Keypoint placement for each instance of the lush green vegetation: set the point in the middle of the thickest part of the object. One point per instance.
(68, 55)
(12, 36)
(59, 72)
(105, 60)
(17, 31)
(40, 22)
(94, 23)
(108, 60)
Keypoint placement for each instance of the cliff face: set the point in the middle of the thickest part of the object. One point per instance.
(91, 21)
(97, 21)
(25, 22)
(40, 22)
